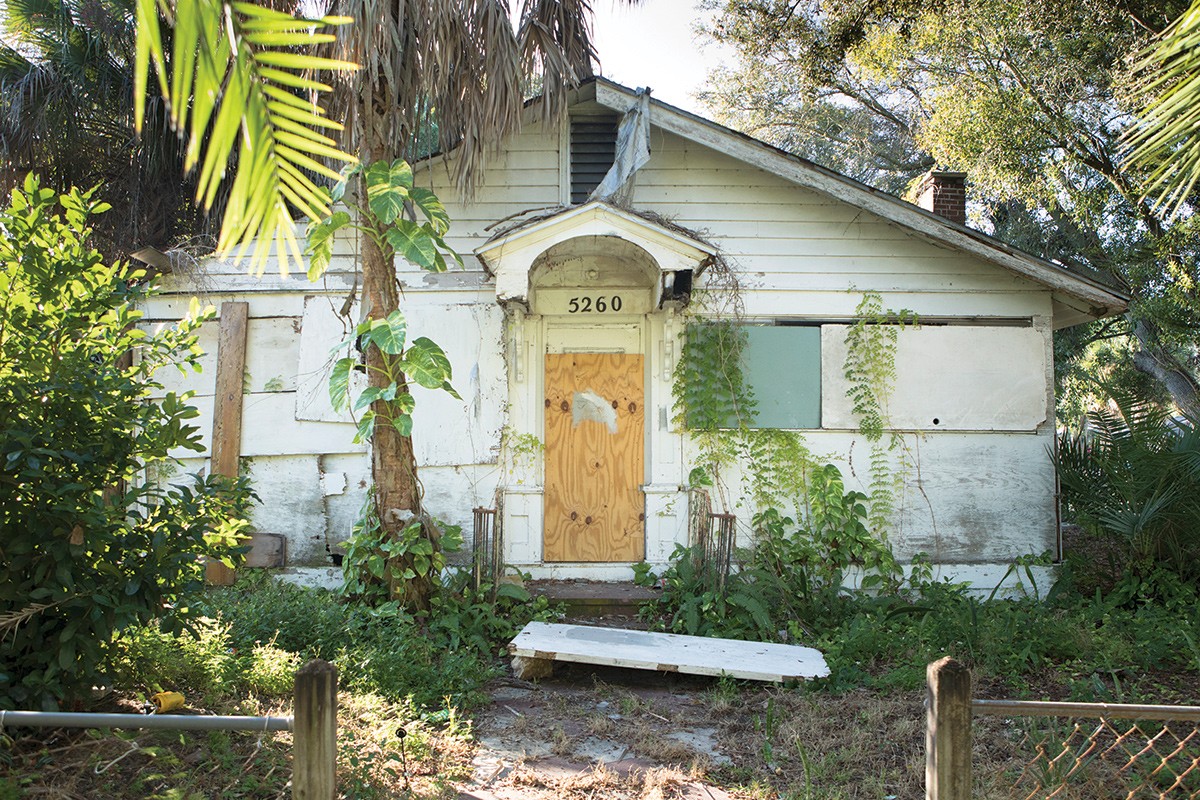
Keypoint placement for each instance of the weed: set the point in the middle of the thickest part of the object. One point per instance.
(725, 693)
(271, 670)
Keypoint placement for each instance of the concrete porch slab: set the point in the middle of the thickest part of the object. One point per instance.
(594, 598)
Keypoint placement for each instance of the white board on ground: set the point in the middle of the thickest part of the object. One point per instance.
(668, 652)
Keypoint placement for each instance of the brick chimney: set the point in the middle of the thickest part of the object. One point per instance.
(945, 194)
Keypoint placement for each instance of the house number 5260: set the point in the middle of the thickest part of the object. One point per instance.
(588, 305)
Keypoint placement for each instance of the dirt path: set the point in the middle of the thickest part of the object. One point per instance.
(588, 732)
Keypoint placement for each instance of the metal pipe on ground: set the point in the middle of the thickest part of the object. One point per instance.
(64, 719)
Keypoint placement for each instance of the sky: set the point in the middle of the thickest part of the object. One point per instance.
(655, 44)
(651, 44)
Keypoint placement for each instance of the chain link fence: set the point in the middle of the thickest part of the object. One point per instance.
(1068, 751)
(1084, 758)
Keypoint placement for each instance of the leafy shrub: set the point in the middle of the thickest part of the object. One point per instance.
(791, 588)
(308, 622)
(271, 670)
(199, 662)
(89, 549)
(377, 562)
(1132, 482)
(794, 573)
(384, 649)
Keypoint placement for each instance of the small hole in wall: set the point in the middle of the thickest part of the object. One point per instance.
(935, 420)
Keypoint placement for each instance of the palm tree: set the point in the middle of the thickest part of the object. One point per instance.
(459, 61)
(464, 62)
(66, 112)
(1165, 142)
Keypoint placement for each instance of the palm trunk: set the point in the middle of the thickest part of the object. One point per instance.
(393, 462)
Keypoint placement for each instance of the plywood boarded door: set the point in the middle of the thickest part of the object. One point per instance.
(594, 508)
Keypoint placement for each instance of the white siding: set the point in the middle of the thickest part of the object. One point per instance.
(782, 238)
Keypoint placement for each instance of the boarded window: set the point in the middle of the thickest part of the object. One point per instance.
(593, 148)
(780, 367)
(951, 377)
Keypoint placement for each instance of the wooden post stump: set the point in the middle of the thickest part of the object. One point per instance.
(948, 731)
(314, 749)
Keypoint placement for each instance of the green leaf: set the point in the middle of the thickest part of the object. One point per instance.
(389, 334)
(321, 237)
(339, 382)
(426, 363)
(368, 396)
(388, 189)
(404, 403)
(403, 423)
(414, 243)
(432, 208)
(366, 428)
(513, 591)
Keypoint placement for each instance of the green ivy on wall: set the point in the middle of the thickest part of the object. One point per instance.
(870, 369)
(714, 402)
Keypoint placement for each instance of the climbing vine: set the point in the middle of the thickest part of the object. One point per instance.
(711, 397)
(870, 369)
(519, 453)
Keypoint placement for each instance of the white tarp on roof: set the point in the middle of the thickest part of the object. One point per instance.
(633, 152)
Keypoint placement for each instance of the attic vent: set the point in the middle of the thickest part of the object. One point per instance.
(593, 148)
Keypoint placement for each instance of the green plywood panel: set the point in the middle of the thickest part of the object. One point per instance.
(782, 365)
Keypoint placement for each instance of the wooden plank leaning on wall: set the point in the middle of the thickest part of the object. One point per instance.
(227, 408)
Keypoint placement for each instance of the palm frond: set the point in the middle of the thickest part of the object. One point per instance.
(461, 64)
(1166, 143)
(237, 87)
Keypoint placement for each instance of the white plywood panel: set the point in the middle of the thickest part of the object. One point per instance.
(272, 346)
(345, 481)
(446, 431)
(320, 332)
(289, 488)
(979, 498)
(668, 652)
(269, 427)
(966, 497)
(949, 378)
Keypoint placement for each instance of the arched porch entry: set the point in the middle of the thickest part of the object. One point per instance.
(588, 377)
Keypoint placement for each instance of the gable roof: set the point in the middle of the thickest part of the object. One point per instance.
(1078, 297)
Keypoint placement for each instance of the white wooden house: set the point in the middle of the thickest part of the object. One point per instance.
(565, 327)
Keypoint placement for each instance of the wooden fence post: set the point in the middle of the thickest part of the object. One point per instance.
(314, 747)
(948, 731)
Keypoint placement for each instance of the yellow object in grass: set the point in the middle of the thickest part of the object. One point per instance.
(167, 701)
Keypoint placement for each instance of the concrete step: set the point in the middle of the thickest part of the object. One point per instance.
(594, 598)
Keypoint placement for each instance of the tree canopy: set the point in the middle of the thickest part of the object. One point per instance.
(66, 112)
(1031, 99)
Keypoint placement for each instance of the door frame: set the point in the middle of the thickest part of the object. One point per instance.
(547, 344)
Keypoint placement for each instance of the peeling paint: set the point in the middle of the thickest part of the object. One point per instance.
(333, 483)
(587, 406)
